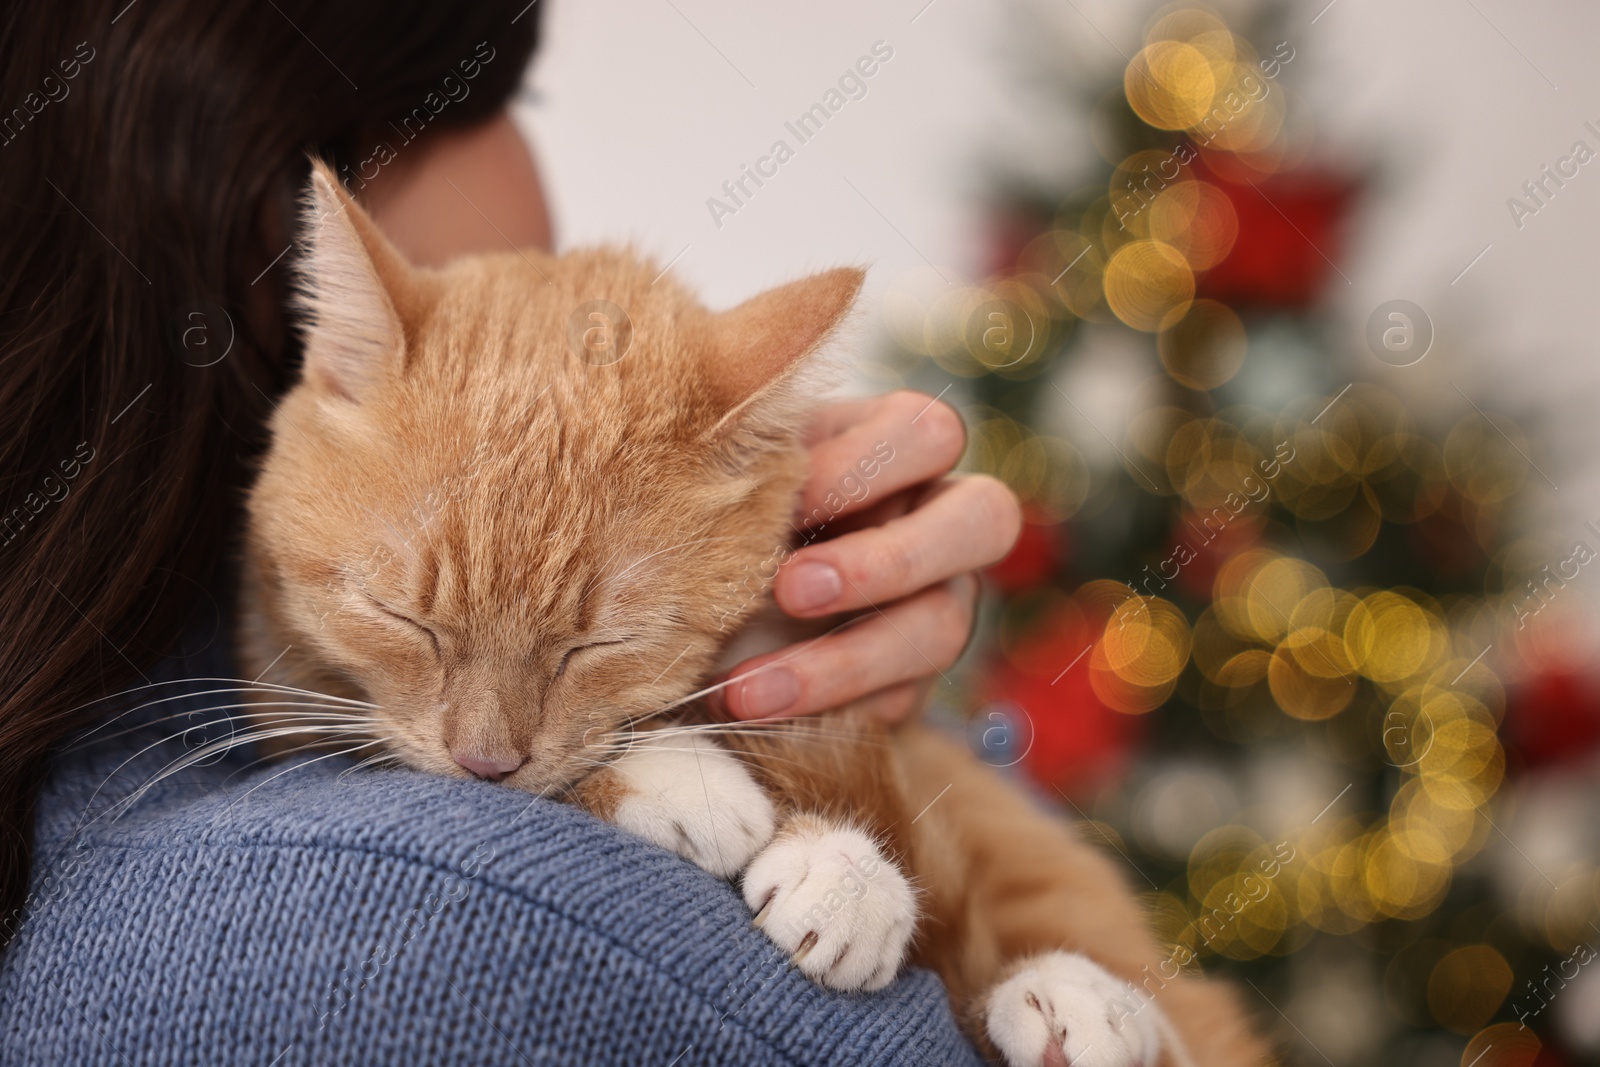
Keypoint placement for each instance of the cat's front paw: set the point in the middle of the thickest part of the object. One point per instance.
(828, 896)
(691, 796)
(1060, 1009)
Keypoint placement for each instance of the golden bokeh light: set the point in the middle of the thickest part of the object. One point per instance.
(1007, 329)
(944, 330)
(1148, 285)
(1286, 501)
(991, 436)
(1275, 590)
(1150, 433)
(1214, 646)
(1464, 765)
(1229, 592)
(1502, 1045)
(1218, 473)
(1205, 348)
(1197, 219)
(1390, 638)
(1304, 693)
(1247, 114)
(1427, 827)
(1244, 669)
(1401, 883)
(1047, 472)
(1078, 282)
(1143, 648)
(1468, 986)
(1170, 84)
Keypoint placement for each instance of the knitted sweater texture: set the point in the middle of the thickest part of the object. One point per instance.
(281, 914)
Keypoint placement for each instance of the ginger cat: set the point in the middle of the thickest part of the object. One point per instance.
(514, 554)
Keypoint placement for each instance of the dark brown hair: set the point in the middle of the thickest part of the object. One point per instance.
(150, 157)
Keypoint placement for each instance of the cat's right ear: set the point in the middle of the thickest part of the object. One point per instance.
(756, 356)
(349, 277)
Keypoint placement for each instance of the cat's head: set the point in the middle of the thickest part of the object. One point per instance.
(507, 517)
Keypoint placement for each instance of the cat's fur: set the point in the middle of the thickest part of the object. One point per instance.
(518, 555)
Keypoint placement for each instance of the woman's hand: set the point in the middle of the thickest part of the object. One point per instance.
(893, 537)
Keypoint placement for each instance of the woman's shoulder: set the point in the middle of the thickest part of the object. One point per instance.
(230, 912)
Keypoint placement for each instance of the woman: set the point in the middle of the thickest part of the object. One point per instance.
(150, 168)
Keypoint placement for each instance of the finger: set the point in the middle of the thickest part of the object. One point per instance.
(890, 507)
(898, 702)
(912, 640)
(967, 523)
(904, 439)
(836, 416)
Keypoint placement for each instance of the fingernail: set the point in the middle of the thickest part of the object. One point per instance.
(768, 692)
(812, 585)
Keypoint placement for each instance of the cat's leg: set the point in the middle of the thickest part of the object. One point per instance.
(1039, 938)
(829, 895)
(832, 889)
(687, 794)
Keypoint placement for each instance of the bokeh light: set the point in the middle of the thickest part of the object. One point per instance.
(1263, 499)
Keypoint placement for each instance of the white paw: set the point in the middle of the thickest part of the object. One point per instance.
(829, 897)
(1062, 1009)
(690, 796)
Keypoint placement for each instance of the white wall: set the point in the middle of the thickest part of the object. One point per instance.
(644, 109)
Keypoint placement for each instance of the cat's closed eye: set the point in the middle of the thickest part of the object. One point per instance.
(402, 617)
(567, 657)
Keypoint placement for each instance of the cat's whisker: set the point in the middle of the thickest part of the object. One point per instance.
(816, 738)
(237, 685)
(168, 739)
(765, 756)
(715, 687)
(591, 761)
(292, 767)
(248, 683)
(206, 752)
(326, 714)
(332, 737)
(570, 789)
(380, 759)
(809, 724)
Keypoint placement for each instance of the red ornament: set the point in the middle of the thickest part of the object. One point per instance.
(1035, 558)
(1553, 717)
(1073, 741)
(1289, 236)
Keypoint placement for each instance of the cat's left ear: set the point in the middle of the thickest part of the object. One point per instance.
(350, 280)
(758, 353)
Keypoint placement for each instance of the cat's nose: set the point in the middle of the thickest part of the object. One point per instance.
(490, 767)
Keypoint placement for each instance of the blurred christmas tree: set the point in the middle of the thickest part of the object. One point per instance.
(1245, 630)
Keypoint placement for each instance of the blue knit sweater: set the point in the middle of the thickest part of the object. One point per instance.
(249, 913)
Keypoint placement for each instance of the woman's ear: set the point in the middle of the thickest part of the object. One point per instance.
(350, 277)
(756, 354)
